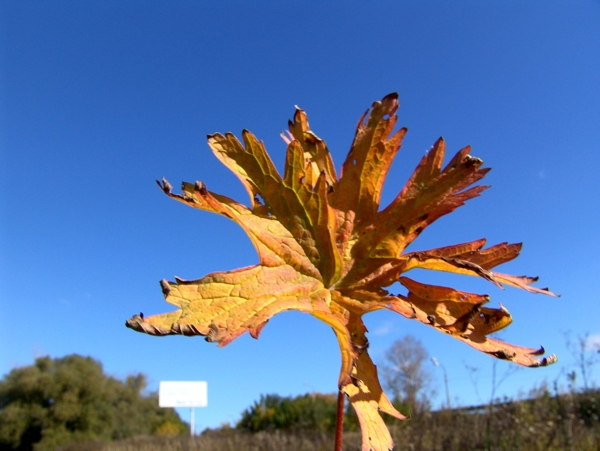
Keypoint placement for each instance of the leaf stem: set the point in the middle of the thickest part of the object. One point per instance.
(339, 421)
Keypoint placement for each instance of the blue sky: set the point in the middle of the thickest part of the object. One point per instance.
(99, 99)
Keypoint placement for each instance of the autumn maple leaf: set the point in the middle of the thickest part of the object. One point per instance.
(326, 248)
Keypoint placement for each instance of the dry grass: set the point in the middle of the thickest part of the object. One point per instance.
(567, 422)
(231, 440)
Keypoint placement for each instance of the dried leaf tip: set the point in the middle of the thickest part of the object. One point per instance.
(166, 288)
(135, 323)
(551, 359)
(200, 187)
(164, 185)
(389, 103)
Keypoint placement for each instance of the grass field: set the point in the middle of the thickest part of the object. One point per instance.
(545, 423)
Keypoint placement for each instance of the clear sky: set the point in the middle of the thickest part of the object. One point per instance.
(98, 99)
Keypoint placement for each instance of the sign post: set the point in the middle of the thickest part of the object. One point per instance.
(183, 394)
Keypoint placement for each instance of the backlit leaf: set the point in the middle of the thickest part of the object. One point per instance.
(327, 248)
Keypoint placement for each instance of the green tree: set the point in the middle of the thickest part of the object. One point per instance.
(65, 400)
(315, 412)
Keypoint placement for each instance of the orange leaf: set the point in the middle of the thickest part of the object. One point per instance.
(369, 160)
(300, 206)
(326, 248)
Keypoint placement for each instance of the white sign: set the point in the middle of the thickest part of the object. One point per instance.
(182, 394)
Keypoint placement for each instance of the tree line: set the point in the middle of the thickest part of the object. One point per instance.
(69, 403)
(405, 373)
(67, 400)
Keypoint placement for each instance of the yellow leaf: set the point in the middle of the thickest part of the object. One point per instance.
(222, 306)
(326, 248)
(368, 399)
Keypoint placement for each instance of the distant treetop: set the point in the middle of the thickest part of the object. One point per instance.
(67, 400)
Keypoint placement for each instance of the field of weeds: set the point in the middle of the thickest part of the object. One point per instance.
(545, 423)
(230, 440)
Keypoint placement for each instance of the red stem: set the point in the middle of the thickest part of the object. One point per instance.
(339, 421)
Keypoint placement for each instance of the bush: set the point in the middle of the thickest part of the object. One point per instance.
(312, 411)
(66, 400)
